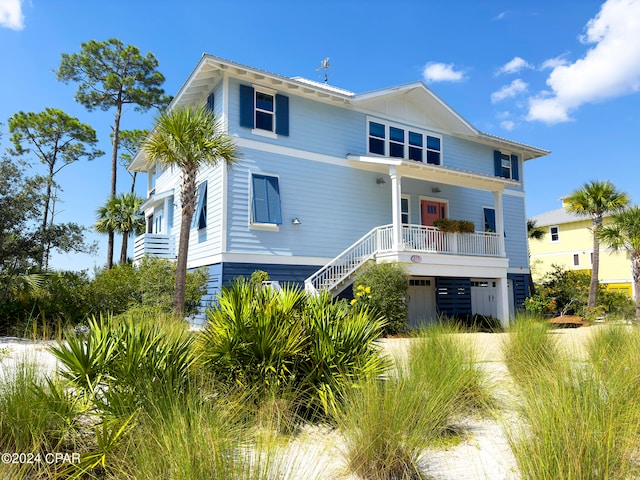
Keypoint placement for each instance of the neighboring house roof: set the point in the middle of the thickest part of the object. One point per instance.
(557, 217)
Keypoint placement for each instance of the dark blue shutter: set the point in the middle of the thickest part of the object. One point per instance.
(497, 162)
(210, 102)
(514, 168)
(200, 214)
(273, 200)
(489, 220)
(246, 106)
(282, 115)
(266, 200)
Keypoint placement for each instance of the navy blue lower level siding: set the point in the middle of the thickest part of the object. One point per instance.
(453, 296)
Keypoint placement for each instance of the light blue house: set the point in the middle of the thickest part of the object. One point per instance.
(330, 180)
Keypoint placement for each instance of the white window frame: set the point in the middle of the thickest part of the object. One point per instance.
(408, 129)
(261, 131)
(551, 227)
(272, 227)
(408, 212)
(505, 157)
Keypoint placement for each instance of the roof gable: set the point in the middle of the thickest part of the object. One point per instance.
(415, 103)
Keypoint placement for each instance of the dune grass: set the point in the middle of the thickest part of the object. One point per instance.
(578, 420)
(387, 422)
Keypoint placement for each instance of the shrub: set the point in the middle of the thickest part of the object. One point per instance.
(120, 365)
(387, 284)
(285, 342)
(454, 226)
(151, 284)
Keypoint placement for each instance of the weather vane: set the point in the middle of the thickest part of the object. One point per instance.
(324, 65)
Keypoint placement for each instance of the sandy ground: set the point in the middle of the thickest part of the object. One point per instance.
(316, 453)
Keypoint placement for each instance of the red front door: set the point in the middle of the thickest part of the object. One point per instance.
(432, 211)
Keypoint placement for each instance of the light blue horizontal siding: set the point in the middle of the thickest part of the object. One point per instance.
(335, 204)
(313, 126)
(515, 226)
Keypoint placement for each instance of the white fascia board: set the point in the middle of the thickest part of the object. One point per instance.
(436, 173)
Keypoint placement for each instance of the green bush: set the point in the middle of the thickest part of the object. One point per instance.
(151, 284)
(383, 287)
(285, 342)
(454, 226)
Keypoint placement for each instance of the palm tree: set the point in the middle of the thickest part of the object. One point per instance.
(624, 234)
(596, 199)
(107, 222)
(533, 231)
(188, 137)
(121, 214)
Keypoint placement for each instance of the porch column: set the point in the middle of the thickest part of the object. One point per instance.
(396, 208)
(165, 215)
(502, 301)
(497, 201)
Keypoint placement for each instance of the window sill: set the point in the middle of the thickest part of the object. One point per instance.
(269, 227)
(264, 133)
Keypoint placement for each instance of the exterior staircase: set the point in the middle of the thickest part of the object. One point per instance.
(339, 271)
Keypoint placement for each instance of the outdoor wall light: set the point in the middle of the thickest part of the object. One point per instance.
(380, 181)
(436, 190)
(296, 221)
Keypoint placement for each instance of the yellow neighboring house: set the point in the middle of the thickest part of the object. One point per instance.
(568, 242)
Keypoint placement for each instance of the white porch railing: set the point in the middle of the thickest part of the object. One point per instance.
(418, 238)
(341, 267)
(154, 245)
(430, 239)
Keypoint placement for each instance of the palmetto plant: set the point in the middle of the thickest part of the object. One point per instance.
(287, 343)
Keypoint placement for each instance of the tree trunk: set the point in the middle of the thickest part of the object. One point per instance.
(635, 273)
(110, 250)
(45, 218)
(187, 197)
(125, 246)
(114, 172)
(595, 267)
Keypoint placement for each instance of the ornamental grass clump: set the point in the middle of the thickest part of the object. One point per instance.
(529, 348)
(580, 419)
(388, 422)
(575, 426)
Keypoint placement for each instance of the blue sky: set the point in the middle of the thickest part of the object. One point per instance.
(560, 75)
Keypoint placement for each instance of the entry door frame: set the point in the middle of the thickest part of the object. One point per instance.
(442, 201)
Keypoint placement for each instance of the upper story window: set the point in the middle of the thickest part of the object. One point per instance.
(506, 165)
(554, 233)
(263, 110)
(412, 144)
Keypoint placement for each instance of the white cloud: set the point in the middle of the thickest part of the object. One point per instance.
(514, 66)
(611, 68)
(11, 14)
(501, 15)
(509, 91)
(507, 124)
(554, 62)
(441, 72)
